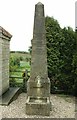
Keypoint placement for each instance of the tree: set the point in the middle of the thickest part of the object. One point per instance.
(14, 63)
(74, 64)
(61, 46)
(67, 53)
(54, 41)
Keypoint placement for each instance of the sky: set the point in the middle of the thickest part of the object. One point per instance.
(17, 17)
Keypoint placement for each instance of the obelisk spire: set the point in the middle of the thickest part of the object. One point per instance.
(39, 18)
(39, 57)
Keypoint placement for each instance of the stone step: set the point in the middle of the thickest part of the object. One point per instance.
(9, 96)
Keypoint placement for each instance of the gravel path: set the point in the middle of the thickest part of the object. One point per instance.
(62, 107)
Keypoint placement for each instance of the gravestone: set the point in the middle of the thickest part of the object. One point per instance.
(4, 60)
(7, 93)
(38, 86)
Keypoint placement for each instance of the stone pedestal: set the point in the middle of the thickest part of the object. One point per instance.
(4, 60)
(38, 86)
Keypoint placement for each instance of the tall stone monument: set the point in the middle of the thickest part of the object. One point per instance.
(4, 60)
(38, 86)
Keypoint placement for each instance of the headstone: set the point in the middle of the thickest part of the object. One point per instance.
(38, 86)
(4, 60)
(7, 93)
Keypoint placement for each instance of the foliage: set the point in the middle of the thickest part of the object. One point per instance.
(17, 67)
(61, 48)
(30, 49)
(14, 63)
(68, 56)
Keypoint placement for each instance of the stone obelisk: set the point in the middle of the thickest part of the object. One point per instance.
(38, 86)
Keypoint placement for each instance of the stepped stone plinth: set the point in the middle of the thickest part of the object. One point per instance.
(38, 86)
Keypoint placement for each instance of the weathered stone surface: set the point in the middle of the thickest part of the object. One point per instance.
(38, 85)
(39, 57)
(4, 60)
(38, 106)
(4, 33)
(38, 91)
(11, 94)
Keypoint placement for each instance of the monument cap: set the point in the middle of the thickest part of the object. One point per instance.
(39, 10)
(39, 3)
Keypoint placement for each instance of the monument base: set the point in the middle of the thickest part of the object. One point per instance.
(38, 106)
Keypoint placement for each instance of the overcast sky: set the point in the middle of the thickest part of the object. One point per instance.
(17, 17)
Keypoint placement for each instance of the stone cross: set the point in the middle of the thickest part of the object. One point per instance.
(38, 92)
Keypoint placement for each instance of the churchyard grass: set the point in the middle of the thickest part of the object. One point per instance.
(16, 74)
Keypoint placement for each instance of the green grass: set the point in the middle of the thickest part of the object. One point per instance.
(23, 66)
(24, 55)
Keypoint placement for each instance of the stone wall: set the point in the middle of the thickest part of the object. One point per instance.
(4, 60)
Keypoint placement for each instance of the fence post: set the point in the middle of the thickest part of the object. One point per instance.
(25, 75)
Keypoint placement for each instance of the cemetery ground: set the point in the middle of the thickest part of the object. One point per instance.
(63, 106)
